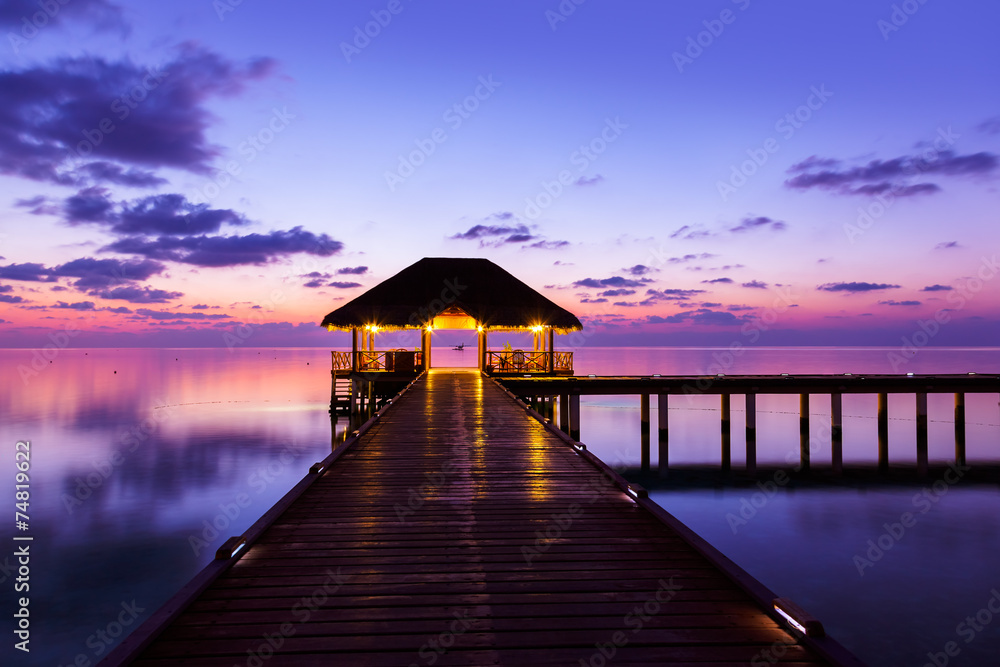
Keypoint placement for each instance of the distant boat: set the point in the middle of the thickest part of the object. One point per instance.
(460, 347)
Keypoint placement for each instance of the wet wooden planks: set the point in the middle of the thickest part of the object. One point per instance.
(458, 531)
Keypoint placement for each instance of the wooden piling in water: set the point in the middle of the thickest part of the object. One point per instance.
(960, 428)
(883, 432)
(751, 429)
(574, 417)
(837, 433)
(564, 413)
(726, 433)
(922, 433)
(644, 429)
(663, 434)
(804, 453)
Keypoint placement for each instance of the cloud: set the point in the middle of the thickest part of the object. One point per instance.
(216, 251)
(100, 14)
(613, 281)
(169, 315)
(673, 294)
(547, 245)
(94, 273)
(990, 125)
(166, 214)
(496, 235)
(759, 222)
(28, 271)
(52, 117)
(639, 270)
(137, 294)
(79, 305)
(121, 310)
(899, 303)
(584, 181)
(626, 304)
(755, 284)
(601, 300)
(617, 292)
(689, 232)
(947, 245)
(343, 285)
(705, 316)
(200, 306)
(352, 271)
(9, 298)
(881, 176)
(855, 287)
(937, 288)
(683, 259)
(718, 280)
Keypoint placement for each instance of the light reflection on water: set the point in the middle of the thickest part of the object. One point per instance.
(136, 453)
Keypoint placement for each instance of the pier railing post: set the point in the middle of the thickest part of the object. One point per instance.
(883, 432)
(726, 423)
(574, 417)
(663, 435)
(804, 452)
(922, 433)
(960, 428)
(564, 413)
(751, 410)
(837, 432)
(644, 429)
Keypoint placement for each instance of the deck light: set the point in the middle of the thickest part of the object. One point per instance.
(909, 374)
(971, 373)
(721, 375)
(591, 375)
(799, 618)
(230, 548)
(656, 375)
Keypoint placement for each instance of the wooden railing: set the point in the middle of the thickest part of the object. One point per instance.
(341, 360)
(521, 361)
(388, 361)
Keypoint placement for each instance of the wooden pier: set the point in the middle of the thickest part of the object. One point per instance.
(456, 528)
(544, 390)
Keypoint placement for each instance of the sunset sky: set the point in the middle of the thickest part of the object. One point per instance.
(770, 173)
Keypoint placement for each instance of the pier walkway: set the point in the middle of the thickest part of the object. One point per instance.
(459, 530)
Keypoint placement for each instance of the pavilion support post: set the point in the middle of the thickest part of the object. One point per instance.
(564, 413)
(837, 433)
(354, 349)
(663, 435)
(574, 416)
(960, 428)
(552, 351)
(481, 349)
(804, 453)
(922, 434)
(751, 409)
(726, 433)
(883, 432)
(644, 429)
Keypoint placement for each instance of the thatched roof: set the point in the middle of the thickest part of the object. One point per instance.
(434, 285)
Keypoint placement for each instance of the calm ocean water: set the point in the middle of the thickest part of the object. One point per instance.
(144, 461)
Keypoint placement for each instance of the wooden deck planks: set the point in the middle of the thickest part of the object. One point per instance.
(458, 531)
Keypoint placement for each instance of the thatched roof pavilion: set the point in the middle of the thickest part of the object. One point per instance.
(454, 293)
